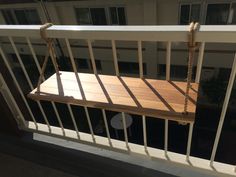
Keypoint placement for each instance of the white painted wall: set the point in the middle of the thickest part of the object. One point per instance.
(167, 12)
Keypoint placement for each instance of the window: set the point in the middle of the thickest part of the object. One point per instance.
(84, 63)
(91, 16)
(217, 14)
(83, 16)
(221, 14)
(176, 71)
(189, 13)
(8, 17)
(117, 15)
(98, 64)
(25, 17)
(232, 14)
(21, 16)
(98, 16)
(224, 73)
(131, 67)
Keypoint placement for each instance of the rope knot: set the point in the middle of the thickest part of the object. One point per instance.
(43, 29)
(193, 27)
(192, 45)
(50, 52)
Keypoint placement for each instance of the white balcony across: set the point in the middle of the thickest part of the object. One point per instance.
(140, 34)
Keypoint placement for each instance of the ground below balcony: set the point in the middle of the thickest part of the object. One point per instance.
(155, 98)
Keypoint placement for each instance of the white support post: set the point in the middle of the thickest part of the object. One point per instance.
(76, 74)
(166, 137)
(144, 133)
(92, 56)
(113, 44)
(53, 104)
(58, 117)
(190, 135)
(224, 109)
(28, 80)
(10, 100)
(20, 61)
(72, 60)
(89, 123)
(40, 70)
(73, 120)
(168, 57)
(106, 126)
(34, 55)
(199, 63)
(140, 59)
(125, 130)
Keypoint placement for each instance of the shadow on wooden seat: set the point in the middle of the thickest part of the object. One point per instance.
(156, 98)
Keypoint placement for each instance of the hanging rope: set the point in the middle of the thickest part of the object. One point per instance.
(192, 45)
(50, 52)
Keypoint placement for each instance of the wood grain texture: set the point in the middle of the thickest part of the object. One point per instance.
(156, 98)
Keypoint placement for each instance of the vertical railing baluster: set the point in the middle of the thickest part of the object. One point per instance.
(18, 88)
(72, 60)
(53, 104)
(140, 59)
(144, 133)
(28, 79)
(73, 120)
(125, 130)
(190, 135)
(5, 91)
(89, 123)
(166, 136)
(168, 57)
(92, 56)
(106, 126)
(40, 70)
(224, 109)
(113, 44)
(199, 62)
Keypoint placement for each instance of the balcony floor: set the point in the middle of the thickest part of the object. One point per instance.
(26, 157)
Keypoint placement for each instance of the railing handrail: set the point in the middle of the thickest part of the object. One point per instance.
(206, 33)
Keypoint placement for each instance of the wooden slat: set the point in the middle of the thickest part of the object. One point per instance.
(156, 98)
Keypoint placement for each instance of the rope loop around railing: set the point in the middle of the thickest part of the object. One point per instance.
(193, 27)
(43, 29)
(192, 45)
(50, 52)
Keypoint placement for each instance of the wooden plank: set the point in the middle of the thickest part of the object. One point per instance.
(156, 98)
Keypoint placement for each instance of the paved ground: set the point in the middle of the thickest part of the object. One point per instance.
(23, 157)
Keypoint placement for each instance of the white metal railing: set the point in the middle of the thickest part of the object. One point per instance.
(140, 34)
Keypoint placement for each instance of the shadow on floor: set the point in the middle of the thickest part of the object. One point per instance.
(26, 157)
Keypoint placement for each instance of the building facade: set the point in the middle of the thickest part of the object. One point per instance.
(151, 12)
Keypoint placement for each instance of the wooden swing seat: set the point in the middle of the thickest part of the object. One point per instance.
(156, 98)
